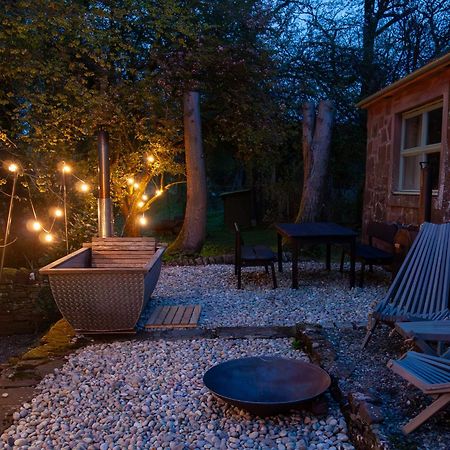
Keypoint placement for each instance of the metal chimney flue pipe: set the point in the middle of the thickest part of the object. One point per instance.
(104, 199)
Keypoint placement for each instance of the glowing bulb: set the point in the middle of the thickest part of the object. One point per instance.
(84, 187)
(58, 212)
(150, 158)
(158, 192)
(66, 168)
(136, 185)
(143, 220)
(36, 226)
(145, 197)
(130, 181)
(140, 204)
(48, 237)
(13, 167)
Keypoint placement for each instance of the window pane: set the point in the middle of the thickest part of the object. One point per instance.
(434, 126)
(413, 127)
(411, 172)
(433, 163)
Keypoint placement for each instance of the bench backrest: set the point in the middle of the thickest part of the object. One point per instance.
(382, 231)
(422, 285)
(122, 252)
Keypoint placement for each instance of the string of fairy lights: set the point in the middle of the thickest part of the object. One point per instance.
(36, 224)
(56, 212)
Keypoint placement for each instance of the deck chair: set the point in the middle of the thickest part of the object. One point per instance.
(430, 374)
(430, 336)
(420, 290)
(251, 256)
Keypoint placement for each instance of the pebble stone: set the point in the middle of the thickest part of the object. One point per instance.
(323, 297)
(150, 395)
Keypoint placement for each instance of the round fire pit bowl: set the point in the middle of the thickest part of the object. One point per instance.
(266, 385)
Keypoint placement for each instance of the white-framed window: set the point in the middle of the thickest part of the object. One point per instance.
(420, 142)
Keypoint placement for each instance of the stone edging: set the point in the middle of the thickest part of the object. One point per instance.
(206, 260)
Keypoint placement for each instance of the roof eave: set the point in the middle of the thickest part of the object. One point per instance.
(432, 67)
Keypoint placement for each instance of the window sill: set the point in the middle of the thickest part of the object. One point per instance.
(412, 193)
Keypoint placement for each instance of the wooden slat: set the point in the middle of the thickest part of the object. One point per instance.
(179, 315)
(171, 314)
(162, 315)
(187, 315)
(174, 317)
(195, 315)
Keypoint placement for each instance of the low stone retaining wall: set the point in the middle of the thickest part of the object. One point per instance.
(204, 260)
(26, 308)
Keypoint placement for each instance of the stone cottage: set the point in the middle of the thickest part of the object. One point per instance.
(408, 123)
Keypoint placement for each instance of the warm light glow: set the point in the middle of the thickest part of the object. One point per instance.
(140, 204)
(130, 181)
(158, 192)
(36, 226)
(136, 185)
(150, 158)
(66, 168)
(48, 237)
(143, 220)
(58, 212)
(145, 197)
(84, 187)
(13, 167)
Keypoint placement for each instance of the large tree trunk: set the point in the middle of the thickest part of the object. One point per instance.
(193, 233)
(316, 153)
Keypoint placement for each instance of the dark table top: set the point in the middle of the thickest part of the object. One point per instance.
(314, 230)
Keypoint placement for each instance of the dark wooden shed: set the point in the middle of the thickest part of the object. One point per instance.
(238, 207)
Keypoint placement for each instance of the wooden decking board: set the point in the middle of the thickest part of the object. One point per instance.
(170, 315)
(195, 315)
(174, 317)
(187, 315)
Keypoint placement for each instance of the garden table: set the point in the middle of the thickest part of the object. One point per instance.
(315, 233)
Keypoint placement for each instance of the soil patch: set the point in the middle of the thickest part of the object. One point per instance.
(377, 401)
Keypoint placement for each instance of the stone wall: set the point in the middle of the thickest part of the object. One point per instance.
(25, 308)
(382, 201)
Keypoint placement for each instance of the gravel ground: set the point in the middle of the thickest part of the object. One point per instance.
(366, 371)
(323, 297)
(149, 394)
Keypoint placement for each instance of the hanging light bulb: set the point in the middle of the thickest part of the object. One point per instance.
(13, 167)
(58, 212)
(130, 181)
(66, 168)
(150, 159)
(140, 204)
(48, 237)
(143, 220)
(36, 226)
(136, 185)
(158, 192)
(84, 187)
(145, 197)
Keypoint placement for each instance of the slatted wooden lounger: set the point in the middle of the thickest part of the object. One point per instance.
(421, 289)
(431, 374)
(431, 337)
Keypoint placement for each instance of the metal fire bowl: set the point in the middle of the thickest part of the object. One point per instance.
(266, 385)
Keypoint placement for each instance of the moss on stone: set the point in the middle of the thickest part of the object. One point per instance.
(55, 342)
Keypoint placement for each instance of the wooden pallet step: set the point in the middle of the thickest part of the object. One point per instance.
(186, 316)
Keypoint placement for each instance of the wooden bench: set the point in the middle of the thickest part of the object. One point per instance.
(379, 234)
(251, 256)
(122, 252)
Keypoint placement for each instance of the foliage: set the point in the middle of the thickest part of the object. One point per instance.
(69, 68)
